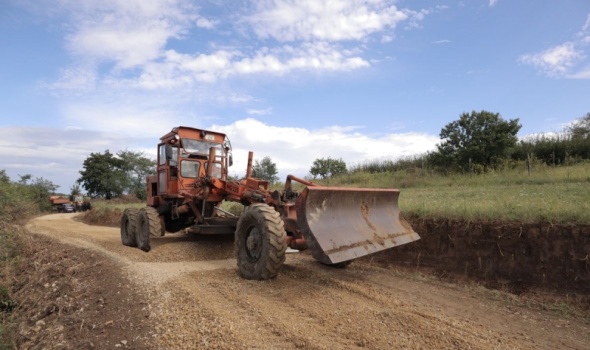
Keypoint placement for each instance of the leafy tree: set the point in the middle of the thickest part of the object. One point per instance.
(104, 175)
(19, 200)
(24, 178)
(580, 129)
(137, 167)
(327, 167)
(481, 139)
(75, 189)
(265, 169)
(4, 177)
(39, 192)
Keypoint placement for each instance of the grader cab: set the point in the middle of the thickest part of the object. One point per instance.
(338, 225)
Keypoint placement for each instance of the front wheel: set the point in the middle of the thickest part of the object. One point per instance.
(260, 242)
(148, 224)
(129, 227)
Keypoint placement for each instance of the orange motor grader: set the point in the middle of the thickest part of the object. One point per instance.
(338, 225)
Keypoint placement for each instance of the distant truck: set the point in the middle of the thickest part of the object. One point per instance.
(63, 204)
(58, 202)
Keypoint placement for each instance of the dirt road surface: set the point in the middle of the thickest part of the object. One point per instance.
(191, 297)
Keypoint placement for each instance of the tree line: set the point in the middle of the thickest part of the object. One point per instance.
(483, 141)
(25, 197)
(476, 142)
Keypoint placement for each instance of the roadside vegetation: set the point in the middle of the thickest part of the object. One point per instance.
(553, 194)
(19, 201)
(481, 171)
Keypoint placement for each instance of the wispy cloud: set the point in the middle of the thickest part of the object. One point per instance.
(492, 3)
(126, 43)
(566, 60)
(292, 20)
(556, 61)
(265, 111)
(444, 41)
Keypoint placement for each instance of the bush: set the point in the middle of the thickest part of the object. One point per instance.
(11, 247)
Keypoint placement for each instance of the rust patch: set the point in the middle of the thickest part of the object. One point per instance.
(365, 213)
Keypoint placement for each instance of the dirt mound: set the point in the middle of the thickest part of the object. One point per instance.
(110, 217)
(70, 298)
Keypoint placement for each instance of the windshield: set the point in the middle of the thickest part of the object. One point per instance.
(201, 147)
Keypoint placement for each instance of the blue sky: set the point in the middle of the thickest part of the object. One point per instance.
(295, 80)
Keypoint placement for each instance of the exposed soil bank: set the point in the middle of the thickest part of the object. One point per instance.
(513, 256)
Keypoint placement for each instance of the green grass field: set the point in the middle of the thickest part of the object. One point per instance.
(548, 194)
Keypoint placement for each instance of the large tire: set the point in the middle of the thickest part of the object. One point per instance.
(260, 242)
(148, 224)
(129, 227)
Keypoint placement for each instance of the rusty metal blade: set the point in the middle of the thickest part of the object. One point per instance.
(341, 224)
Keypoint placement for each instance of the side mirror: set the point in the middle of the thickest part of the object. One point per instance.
(169, 154)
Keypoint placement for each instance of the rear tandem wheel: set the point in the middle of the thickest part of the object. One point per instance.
(260, 242)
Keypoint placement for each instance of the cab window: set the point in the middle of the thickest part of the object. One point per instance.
(189, 168)
(216, 170)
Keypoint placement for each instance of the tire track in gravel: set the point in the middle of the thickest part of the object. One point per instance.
(196, 299)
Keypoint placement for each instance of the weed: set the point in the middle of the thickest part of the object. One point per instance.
(6, 303)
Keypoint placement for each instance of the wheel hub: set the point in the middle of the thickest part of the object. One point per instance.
(254, 244)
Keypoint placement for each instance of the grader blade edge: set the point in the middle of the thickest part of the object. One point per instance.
(341, 224)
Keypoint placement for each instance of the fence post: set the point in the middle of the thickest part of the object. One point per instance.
(528, 162)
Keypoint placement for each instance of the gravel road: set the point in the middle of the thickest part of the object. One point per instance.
(195, 299)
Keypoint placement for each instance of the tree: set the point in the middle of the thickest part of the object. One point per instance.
(481, 139)
(20, 199)
(580, 129)
(265, 169)
(24, 178)
(327, 167)
(4, 177)
(137, 167)
(104, 175)
(75, 190)
(39, 192)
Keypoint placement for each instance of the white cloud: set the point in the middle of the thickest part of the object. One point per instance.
(265, 111)
(131, 32)
(54, 154)
(177, 69)
(58, 154)
(493, 3)
(443, 41)
(203, 22)
(586, 26)
(295, 149)
(290, 20)
(76, 79)
(556, 61)
(567, 60)
(135, 119)
(125, 44)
